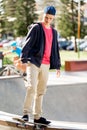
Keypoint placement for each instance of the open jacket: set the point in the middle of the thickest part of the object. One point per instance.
(33, 48)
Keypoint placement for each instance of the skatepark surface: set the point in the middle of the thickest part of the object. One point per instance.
(65, 100)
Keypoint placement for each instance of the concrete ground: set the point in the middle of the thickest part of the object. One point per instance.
(67, 77)
(65, 100)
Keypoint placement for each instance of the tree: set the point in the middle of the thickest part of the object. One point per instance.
(2, 23)
(25, 14)
(8, 16)
(18, 15)
(68, 19)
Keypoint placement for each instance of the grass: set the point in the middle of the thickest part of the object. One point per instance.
(71, 55)
(65, 55)
(8, 59)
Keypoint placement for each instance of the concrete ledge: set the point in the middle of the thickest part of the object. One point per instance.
(7, 123)
(76, 65)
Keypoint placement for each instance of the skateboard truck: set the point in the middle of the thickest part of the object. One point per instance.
(39, 127)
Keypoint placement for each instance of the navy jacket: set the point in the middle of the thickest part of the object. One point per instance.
(33, 48)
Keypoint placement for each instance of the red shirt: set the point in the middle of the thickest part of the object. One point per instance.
(48, 45)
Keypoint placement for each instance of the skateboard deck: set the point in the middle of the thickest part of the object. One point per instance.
(25, 124)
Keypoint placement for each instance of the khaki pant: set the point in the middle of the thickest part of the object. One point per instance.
(37, 81)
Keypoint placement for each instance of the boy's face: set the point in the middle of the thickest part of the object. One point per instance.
(14, 47)
(48, 18)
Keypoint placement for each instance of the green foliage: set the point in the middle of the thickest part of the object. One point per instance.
(25, 13)
(18, 15)
(68, 19)
(7, 61)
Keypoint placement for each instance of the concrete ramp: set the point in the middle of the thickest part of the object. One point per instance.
(66, 102)
(7, 123)
(61, 102)
(12, 93)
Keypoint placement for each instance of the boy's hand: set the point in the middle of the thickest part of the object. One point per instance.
(58, 73)
(4, 54)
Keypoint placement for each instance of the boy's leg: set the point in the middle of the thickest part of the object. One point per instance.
(41, 89)
(32, 84)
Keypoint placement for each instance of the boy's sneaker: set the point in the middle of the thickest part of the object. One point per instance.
(25, 117)
(24, 74)
(42, 121)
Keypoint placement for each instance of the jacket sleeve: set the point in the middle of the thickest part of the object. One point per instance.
(28, 44)
(55, 62)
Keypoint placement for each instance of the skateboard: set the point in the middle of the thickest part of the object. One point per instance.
(27, 124)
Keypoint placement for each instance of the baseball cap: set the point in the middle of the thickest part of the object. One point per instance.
(14, 44)
(50, 10)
